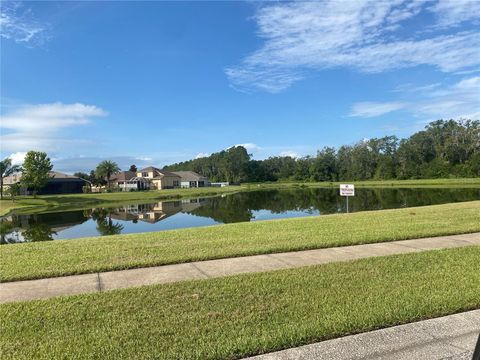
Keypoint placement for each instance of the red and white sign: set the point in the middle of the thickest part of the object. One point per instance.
(347, 190)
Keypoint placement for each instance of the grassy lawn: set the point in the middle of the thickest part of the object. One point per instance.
(56, 258)
(419, 183)
(26, 204)
(244, 315)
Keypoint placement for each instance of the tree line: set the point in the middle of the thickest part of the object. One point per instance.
(445, 148)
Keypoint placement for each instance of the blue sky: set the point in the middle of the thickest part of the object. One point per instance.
(151, 83)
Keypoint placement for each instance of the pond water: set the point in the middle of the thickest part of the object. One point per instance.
(246, 206)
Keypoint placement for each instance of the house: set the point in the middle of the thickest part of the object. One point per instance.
(219, 184)
(59, 183)
(190, 179)
(159, 179)
(129, 181)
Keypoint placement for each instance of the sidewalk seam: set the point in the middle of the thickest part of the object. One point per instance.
(99, 283)
(200, 270)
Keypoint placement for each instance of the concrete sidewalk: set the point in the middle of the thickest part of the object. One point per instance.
(97, 282)
(449, 337)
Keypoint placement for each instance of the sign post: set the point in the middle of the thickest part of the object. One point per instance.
(347, 190)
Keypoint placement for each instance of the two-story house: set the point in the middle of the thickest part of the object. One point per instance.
(160, 179)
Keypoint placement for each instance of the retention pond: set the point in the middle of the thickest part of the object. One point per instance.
(244, 206)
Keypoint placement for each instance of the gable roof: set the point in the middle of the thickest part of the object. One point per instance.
(123, 176)
(189, 175)
(163, 173)
(54, 176)
(148, 169)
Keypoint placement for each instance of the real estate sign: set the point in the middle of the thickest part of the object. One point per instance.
(347, 190)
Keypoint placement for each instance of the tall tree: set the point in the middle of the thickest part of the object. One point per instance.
(106, 169)
(133, 168)
(35, 171)
(6, 169)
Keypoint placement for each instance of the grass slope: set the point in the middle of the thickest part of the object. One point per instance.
(244, 315)
(56, 258)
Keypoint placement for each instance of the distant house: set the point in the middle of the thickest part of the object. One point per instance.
(128, 180)
(58, 183)
(190, 179)
(159, 179)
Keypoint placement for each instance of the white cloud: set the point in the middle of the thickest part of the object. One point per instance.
(372, 109)
(202, 155)
(19, 24)
(250, 147)
(292, 154)
(454, 12)
(86, 163)
(432, 101)
(30, 118)
(18, 157)
(38, 126)
(363, 35)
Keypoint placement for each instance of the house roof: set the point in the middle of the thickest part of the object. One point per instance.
(162, 174)
(189, 175)
(54, 176)
(148, 169)
(123, 176)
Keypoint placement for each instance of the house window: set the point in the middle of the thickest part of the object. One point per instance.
(176, 183)
(144, 174)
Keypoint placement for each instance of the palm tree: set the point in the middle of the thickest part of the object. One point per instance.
(6, 169)
(106, 169)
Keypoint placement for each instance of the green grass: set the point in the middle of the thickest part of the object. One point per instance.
(417, 183)
(57, 258)
(26, 204)
(244, 315)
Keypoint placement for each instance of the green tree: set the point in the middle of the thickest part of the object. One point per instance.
(106, 169)
(82, 175)
(14, 190)
(6, 169)
(35, 172)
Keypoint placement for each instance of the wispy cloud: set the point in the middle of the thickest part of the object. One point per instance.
(363, 35)
(18, 23)
(38, 126)
(454, 12)
(432, 101)
(372, 109)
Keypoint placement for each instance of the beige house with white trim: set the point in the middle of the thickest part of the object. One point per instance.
(160, 179)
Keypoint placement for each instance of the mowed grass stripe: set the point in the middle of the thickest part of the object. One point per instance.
(244, 315)
(87, 255)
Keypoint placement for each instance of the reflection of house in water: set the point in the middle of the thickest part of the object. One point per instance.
(155, 212)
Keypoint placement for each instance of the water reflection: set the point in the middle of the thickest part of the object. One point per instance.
(247, 206)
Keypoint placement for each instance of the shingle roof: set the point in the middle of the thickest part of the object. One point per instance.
(54, 176)
(149, 168)
(189, 175)
(123, 176)
(162, 174)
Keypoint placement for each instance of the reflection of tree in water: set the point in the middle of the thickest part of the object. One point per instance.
(33, 230)
(105, 225)
(38, 231)
(239, 207)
